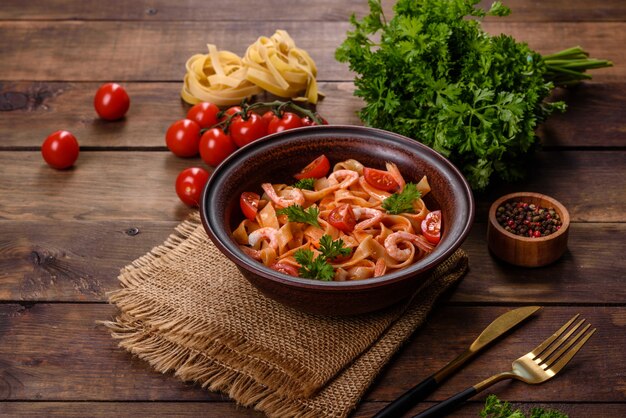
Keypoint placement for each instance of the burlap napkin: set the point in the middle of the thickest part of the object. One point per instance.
(185, 308)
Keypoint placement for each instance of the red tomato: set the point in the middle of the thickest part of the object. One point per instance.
(307, 121)
(243, 131)
(183, 137)
(268, 117)
(342, 217)
(215, 146)
(285, 268)
(316, 169)
(249, 203)
(111, 101)
(381, 180)
(228, 112)
(288, 121)
(60, 150)
(431, 227)
(204, 114)
(190, 184)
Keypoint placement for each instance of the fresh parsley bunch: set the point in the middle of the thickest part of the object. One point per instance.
(432, 74)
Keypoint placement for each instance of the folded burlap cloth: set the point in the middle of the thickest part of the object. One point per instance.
(185, 308)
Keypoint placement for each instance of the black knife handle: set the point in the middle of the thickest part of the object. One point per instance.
(449, 405)
(408, 399)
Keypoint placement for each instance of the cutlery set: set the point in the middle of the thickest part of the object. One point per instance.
(537, 366)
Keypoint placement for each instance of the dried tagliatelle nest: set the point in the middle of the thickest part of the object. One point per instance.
(273, 64)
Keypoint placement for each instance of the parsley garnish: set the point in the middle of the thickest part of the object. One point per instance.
(295, 213)
(402, 202)
(495, 408)
(318, 267)
(305, 184)
(311, 268)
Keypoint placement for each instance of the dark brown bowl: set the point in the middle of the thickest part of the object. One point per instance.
(276, 157)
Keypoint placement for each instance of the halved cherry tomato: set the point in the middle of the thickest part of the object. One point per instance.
(249, 203)
(381, 180)
(342, 217)
(204, 114)
(287, 121)
(431, 227)
(190, 184)
(318, 168)
(285, 268)
(243, 131)
(215, 146)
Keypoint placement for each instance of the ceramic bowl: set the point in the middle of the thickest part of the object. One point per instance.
(526, 251)
(276, 157)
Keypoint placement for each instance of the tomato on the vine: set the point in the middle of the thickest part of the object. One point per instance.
(381, 180)
(268, 117)
(249, 203)
(111, 101)
(204, 114)
(285, 268)
(215, 146)
(183, 137)
(431, 227)
(307, 121)
(316, 169)
(342, 218)
(287, 121)
(60, 150)
(190, 184)
(243, 131)
(229, 112)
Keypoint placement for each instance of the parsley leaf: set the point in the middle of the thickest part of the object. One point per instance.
(402, 202)
(313, 268)
(295, 213)
(430, 72)
(305, 184)
(495, 408)
(332, 249)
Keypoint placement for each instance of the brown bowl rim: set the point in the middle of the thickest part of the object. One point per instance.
(330, 286)
(520, 195)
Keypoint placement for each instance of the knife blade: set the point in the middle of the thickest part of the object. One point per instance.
(496, 329)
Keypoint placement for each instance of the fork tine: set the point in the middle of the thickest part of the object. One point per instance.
(565, 347)
(568, 356)
(555, 345)
(539, 349)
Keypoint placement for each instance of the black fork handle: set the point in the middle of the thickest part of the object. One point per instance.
(408, 399)
(449, 405)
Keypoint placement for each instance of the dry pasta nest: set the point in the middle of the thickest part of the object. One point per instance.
(274, 64)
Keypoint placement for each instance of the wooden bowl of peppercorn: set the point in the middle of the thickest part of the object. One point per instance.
(528, 229)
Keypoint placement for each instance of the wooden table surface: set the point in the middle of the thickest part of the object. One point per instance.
(64, 235)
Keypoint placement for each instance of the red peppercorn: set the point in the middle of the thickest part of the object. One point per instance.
(537, 234)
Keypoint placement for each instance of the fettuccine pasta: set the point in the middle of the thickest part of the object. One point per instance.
(379, 242)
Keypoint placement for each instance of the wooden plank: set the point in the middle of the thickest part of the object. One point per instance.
(229, 410)
(120, 185)
(157, 51)
(33, 109)
(80, 261)
(319, 10)
(77, 360)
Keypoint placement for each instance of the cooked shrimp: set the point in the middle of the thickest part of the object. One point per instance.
(391, 244)
(380, 268)
(395, 173)
(269, 234)
(343, 178)
(291, 196)
(373, 216)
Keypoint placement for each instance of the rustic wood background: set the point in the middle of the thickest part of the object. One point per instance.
(64, 235)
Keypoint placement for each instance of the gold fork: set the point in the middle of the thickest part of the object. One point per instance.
(538, 366)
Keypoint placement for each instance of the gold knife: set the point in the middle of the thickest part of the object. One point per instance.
(500, 326)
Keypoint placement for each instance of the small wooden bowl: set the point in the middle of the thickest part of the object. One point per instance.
(526, 251)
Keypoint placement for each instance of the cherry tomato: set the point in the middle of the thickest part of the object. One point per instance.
(316, 169)
(307, 121)
(183, 137)
(60, 150)
(228, 112)
(379, 179)
(204, 114)
(249, 203)
(268, 117)
(215, 146)
(288, 121)
(431, 227)
(111, 101)
(342, 217)
(243, 131)
(285, 268)
(190, 184)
